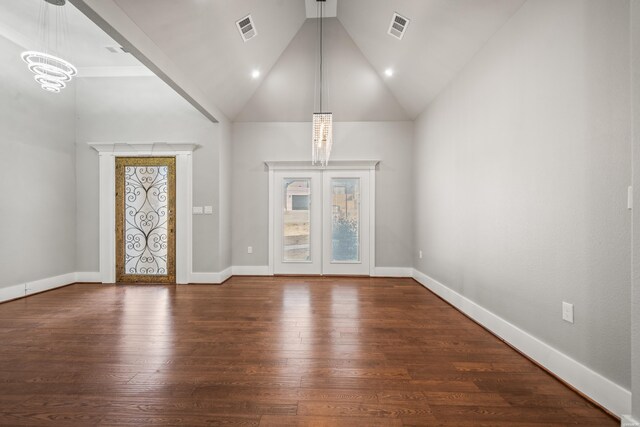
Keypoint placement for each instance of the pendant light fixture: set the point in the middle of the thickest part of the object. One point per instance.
(51, 72)
(322, 121)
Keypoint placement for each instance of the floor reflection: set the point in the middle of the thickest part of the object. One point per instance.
(145, 324)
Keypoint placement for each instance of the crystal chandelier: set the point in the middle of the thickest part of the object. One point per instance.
(322, 122)
(51, 72)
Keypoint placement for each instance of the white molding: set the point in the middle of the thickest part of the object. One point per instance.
(134, 149)
(199, 277)
(184, 217)
(115, 71)
(392, 272)
(12, 292)
(226, 274)
(372, 220)
(251, 270)
(107, 215)
(333, 165)
(212, 278)
(36, 286)
(88, 277)
(272, 189)
(602, 390)
(628, 421)
(184, 196)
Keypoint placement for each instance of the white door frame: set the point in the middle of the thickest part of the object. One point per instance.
(184, 196)
(314, 266)
(363, 265)
(361, 165)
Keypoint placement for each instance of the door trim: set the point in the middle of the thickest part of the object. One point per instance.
(304, 166)
(184, 200)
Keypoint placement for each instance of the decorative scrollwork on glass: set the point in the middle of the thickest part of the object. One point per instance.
(146, 216)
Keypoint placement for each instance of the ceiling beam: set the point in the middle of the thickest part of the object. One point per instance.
(114, 21)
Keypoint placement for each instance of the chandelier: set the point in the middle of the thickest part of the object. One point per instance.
(51, 72)
(322, 126)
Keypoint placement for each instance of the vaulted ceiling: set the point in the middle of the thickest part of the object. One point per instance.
(200, 39)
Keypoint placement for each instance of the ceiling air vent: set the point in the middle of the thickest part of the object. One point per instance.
(247, 28)
(116, 49)
(398, 26)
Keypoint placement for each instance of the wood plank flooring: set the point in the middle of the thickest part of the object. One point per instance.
(267, 352)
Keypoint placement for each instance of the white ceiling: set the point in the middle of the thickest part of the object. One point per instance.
(84, 45)
(329, 8)
(200, 36)
(353, 90)
(201, 39)
(442, 37)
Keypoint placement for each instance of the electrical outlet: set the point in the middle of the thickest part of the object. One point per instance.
(420, 254)
(567, 312)
(208, 210)
(249, 249)
(197, 210)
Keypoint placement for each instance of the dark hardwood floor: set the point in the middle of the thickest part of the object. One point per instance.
(267, 352)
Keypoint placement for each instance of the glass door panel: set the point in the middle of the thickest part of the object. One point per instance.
(345, 224)
(297, 223)
(145, 220)
(296, 220)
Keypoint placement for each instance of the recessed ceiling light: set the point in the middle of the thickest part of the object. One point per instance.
(388, 72)
(255, 74)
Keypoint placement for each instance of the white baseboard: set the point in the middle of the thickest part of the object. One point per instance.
(88, 276)
(393, 272)
(12, 292)
(35, 286)
(629, 421)
(249, 270)
(196, 277)
(226, 274)
(602, 390)
(214, 278)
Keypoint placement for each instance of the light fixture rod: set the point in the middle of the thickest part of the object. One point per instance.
(321, 68)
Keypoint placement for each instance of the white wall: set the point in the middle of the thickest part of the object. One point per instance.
(37, 175)
(145, 109)
(635, 310)
(255, 143)
(521, 169)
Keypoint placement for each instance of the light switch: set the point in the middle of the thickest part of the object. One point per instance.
(208, 210)
(567, 312)
(197, 210)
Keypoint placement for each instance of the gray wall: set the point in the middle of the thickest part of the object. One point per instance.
(145, 109)
(254, 143)
(224, 208)
(37, 175)
(635, 321)
(521, 169)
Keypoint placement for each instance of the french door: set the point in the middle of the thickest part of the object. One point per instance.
(321, 222)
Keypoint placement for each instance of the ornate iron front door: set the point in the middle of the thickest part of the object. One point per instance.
(145, 219)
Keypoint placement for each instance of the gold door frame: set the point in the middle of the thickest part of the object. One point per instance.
(121, 163)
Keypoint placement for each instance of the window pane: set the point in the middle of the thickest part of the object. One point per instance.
(297, 220)
(146, 214)
(345, 193)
